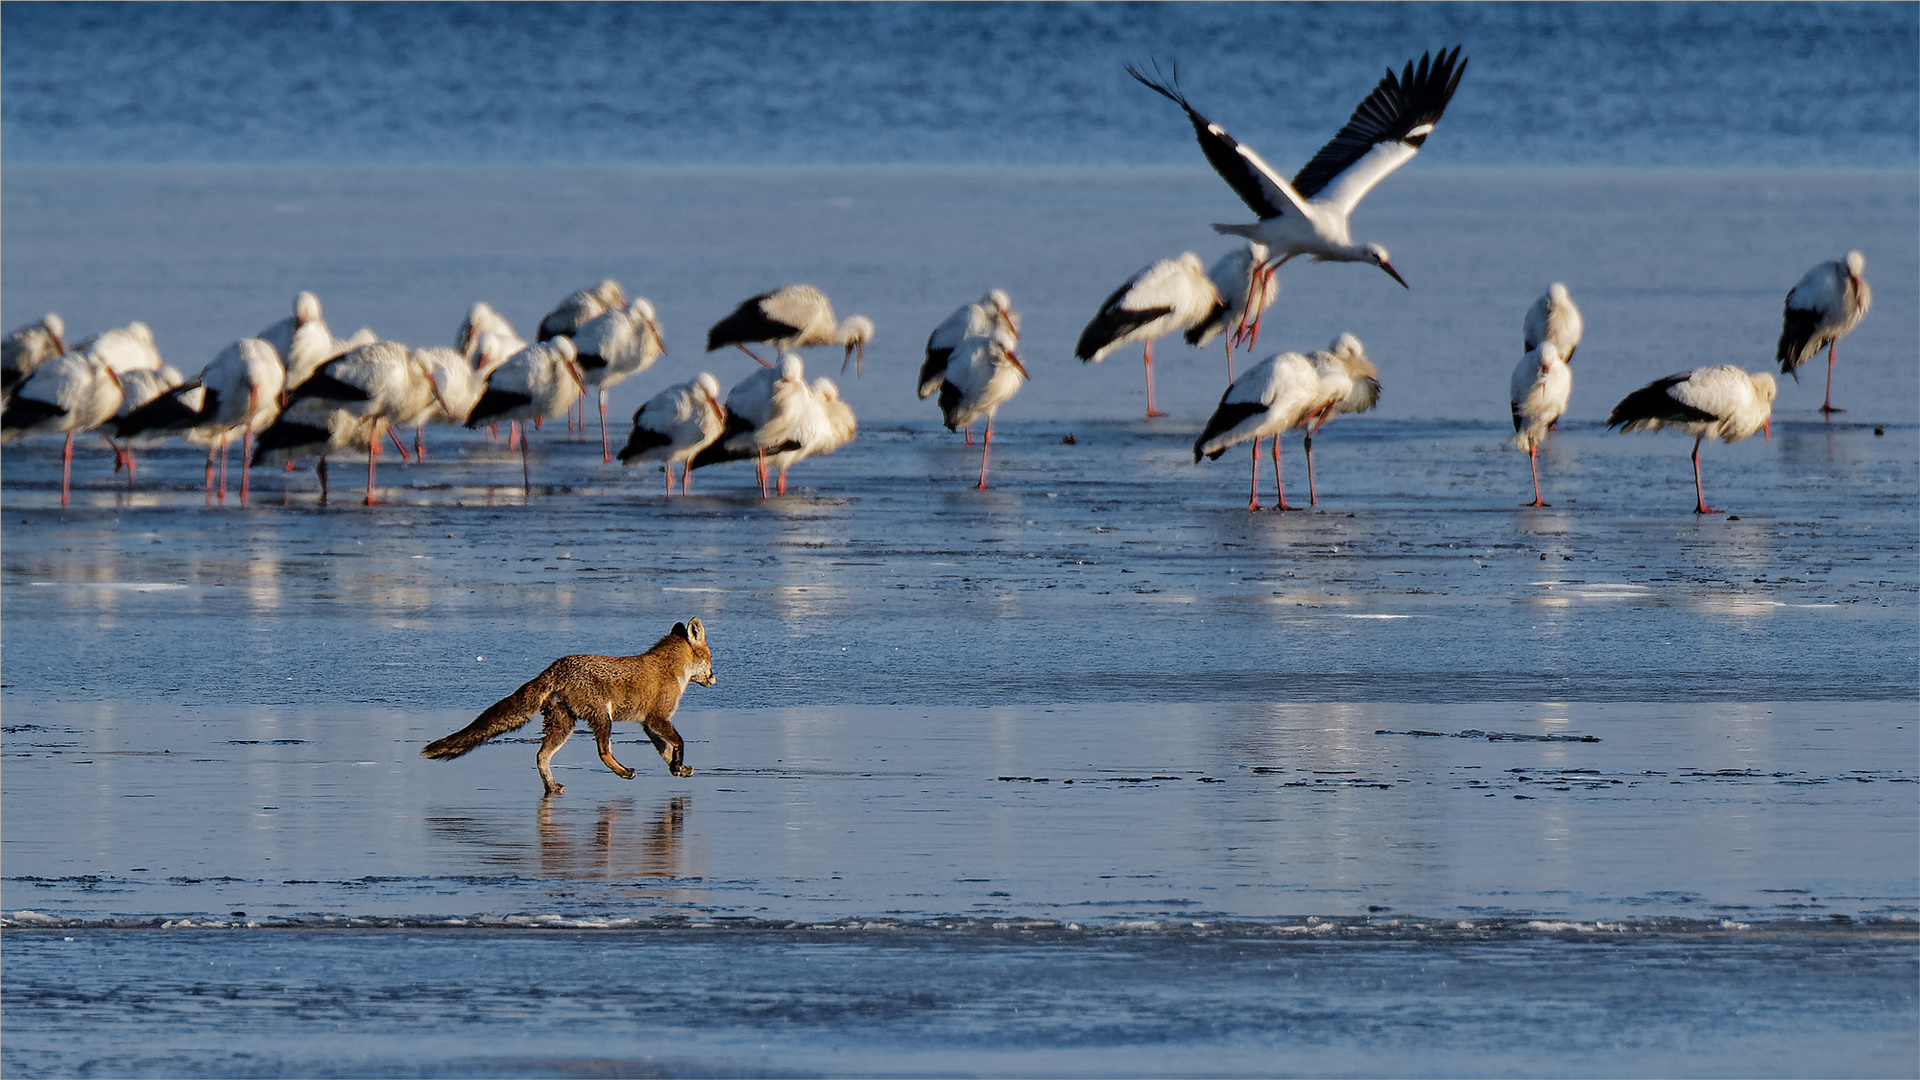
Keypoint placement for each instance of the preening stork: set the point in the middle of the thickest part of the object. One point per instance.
(1244, 279)
(29, 346)
(614, 344)
(795, 317)
(1272, 397)
(540, 382)
(579, 306)
(72, 393)
(1349, 383)
(1554, 318)
(129, 352)
(774, 417)
(982, 374)
(1170, 295)
(1722, 402)
(676, 424)
(137, 388)
(1541, 384)
(456, 388)
(1310, 215)
(1827, 304)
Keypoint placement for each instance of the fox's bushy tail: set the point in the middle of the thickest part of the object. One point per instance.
(502, 716)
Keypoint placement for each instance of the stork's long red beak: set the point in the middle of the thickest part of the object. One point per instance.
(1395, 274)
(1766, 430)
(1021, 366)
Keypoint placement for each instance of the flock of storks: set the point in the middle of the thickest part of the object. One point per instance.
(296, 392)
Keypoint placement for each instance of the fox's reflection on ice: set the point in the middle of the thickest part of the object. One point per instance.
(616, 843)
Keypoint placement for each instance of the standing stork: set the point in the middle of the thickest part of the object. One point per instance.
(1272, 397)
(795, 317)
(774, 417)
(1722, 402)
(1349, 383)
(29, 346)
(1310, 215)
(236, 394)
(614, 344)
(1244, 278)
(1541, 385)
(676, 424)
(1170, 295)
(983, 374)
(968, 320)
(73, 392)
(540, 382)
(348, 404)
(481, 320)
(1827, 303)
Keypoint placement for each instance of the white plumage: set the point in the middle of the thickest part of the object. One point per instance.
(1309, 216)
(1168, 296)
(1541, 385)
(1721, 402)
(1349, 383)
(482, 319)
(774, 417)
(540, 382)
(1245, 280)
(794, 317)
(580, 306)
(676, 424)
(346, 405)
(614, 344)
(1267, 399)
(1554, 318)
(982, 374)
(1827, 304)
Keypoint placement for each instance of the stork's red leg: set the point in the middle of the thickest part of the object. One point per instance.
(1279, 485)
(606, 448)
(1253, 494)
(1313, 495)
(66, 469)
(1532, 462)
(986, 447)
(1828, 407)
(1151, 411)
(1699, 494)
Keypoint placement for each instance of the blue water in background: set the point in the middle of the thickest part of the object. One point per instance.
(1579, 85)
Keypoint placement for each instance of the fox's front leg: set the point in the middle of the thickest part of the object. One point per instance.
(602, 725)
(668, 742)
(558, 728)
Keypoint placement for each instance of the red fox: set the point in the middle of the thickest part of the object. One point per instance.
(599, 690)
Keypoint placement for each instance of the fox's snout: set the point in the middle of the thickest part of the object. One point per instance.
(706, 679)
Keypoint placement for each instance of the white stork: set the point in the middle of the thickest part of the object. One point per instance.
(995, 309)
(236, 394)
(1170, 295)
(130, 353)
(1541, 385)
(1827, 303)
(482, 319)
(982, 374)
(29, 346)
(456, 387)
(1349, 383)
(306, 309)
(1722, 402)
(614, 344)
(1274, 395)
(348, 404)
(73, 392)
(794, 317)
(676, 424)
(579, 306)
(774, 417)
(1244, 278)
(540, 382)
(1310, 215)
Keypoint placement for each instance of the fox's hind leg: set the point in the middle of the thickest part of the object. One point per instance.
(559, 727)
(668, 742)
(602, 724)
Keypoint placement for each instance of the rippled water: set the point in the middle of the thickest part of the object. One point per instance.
(1550, 84)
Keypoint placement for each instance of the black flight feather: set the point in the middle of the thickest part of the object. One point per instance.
(1395, 107)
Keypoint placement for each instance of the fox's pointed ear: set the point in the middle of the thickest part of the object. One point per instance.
(695, 632)
(679, 630)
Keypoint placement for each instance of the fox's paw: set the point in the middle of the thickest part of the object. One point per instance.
(555, 789)
(683, 770)
(624, 773)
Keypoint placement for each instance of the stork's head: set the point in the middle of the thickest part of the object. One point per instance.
(792, 368)
(854, 334)
(708, 388)
(57, 327)
(1003, 312)
(609, 294)
(306, 308)
(1377, 255)
(1856, 263)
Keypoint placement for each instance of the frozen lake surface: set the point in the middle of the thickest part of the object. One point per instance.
(1448, 786)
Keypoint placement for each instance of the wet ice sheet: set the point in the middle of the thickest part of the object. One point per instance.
(937, 1002)
(1093, 815)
